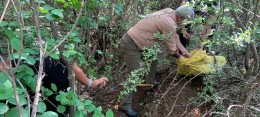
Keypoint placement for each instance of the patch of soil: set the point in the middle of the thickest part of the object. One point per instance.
(175, 97)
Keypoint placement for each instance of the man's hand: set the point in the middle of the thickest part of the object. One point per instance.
(201, 47)
(101, 82)
(186, 55)
(186, 35)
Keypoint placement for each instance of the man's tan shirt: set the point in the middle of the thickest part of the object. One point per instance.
(162, 21)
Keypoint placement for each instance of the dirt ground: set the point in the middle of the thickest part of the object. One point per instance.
(175, 97)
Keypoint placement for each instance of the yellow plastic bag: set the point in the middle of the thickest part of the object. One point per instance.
(199, 63)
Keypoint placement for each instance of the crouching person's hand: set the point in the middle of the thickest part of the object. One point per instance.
(99, 83)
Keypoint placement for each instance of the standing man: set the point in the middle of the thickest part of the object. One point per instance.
(141, 36)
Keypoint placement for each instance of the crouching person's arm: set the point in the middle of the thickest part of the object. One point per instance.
(81, 77)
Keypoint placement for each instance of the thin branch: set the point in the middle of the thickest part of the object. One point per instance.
(72, 29)
(37, 26)
(177, 95)
(18, 81)
(231, 106)
(27, 95)
(238, 21)
(21, 22)
(42, 52)
(254, 108)
(246, 9)
(3, 14)
(12, 80)
(28, 32)
(249, 71)
(219, 113)
(237, 59)
(15, 9)
(256, 58)
(252, 45)
(38, 84)
(247, 56)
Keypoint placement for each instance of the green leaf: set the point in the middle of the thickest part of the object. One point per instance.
(79, 114)
(76, 39)
(24, 69)
(3, 23)
(30, 51)
(3, 108)
(55, 56)
(15, 113)
(99, 52)
(53, 87)
(40, 1)
(30, 60)
(6, 90)
(109, 113)
(15, 43)
(92, 22)
(82, 59)
(21, 99)
(98, 113)
(9, 33)
(30, 82)
(119, 8)
(41, 107)
(48, 92)
(66, 5)
(69, 53)
(49, 114)
(62, 1)
(80, 106)
(91, 71)
(76, 4)
(28, 38)
(42, 10)
(69, 88)
(62, 95)
(23, 56)
(29, 71)
(83, 22)
(49, 16)
(3, 77)
(61, 109)
(26, 14)
(73, 34)
(70, 46)
(91, 108)
(87, 102)
(71, 95)
(20, 91)
(104, 19)
(14, 24)
(47, 7)
(57, 12)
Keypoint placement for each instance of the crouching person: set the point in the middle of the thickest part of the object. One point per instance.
(56, 72)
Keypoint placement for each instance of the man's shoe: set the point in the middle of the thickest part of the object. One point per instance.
(155, 84)
(129, 112)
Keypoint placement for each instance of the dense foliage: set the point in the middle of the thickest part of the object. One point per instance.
(87, 32)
